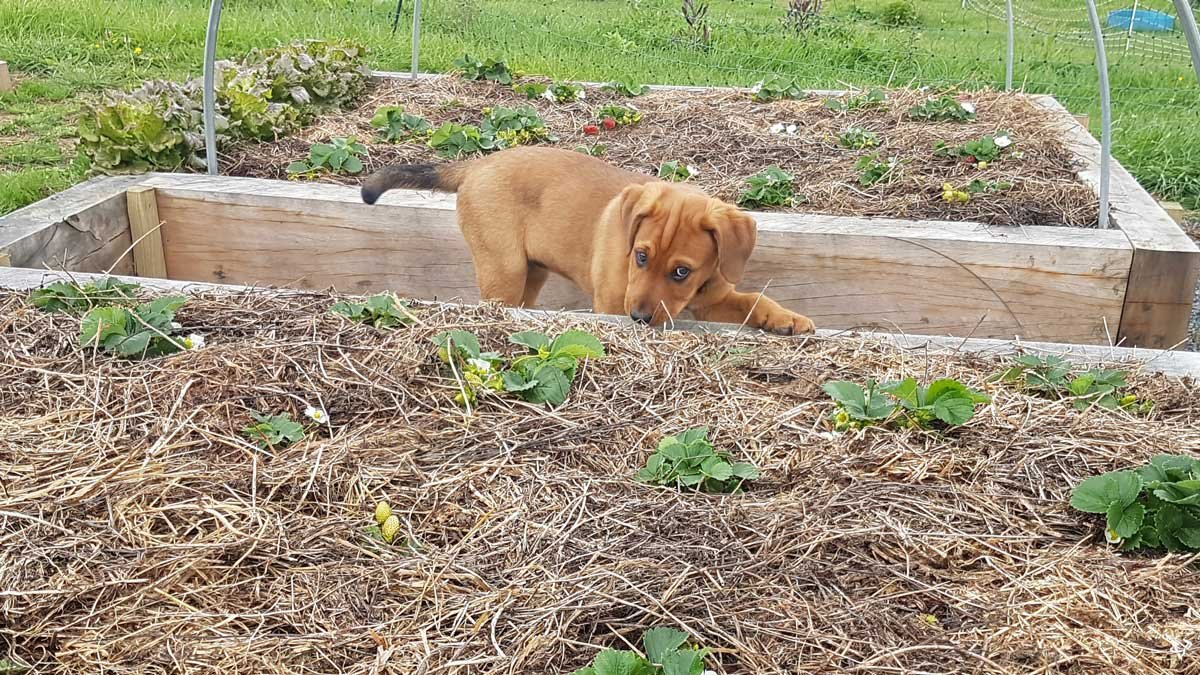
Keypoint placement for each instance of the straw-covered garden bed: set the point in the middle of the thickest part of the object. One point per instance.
(141, 531)
(727, 137)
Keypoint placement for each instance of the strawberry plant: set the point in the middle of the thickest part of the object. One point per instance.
(677, 171)
(621, 115)
(770, 187)
(943, 109)
(73, 298)
(689, 461)
(857, 138)
(777, 88)
(667, 653)
(274, 431)
(903, 404)
(564, 92)
(145, 330)
(380, 311)
(515, 126)
(626, 88)
(873, 169)
(494, 70)
(340, 155)
(870, 99)
(544, 375)
(396, 125)
(594, 150)
(455, 140)
(477, 372)
(977, 186)
(1052, 377)
(952, 195)
(980, 152)
(531, 90)
(1154, 507)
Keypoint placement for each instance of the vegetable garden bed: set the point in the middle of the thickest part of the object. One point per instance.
(143, 529)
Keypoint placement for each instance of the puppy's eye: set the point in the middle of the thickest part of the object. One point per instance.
(680, 273)
(641, 258)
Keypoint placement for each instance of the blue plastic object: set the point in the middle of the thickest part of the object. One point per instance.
(1142, 19)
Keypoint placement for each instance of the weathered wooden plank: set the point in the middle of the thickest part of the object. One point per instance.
(1170, 363)
(930, 277)
(1166, 262)
(6, 83)
(82, 229)
(148, 258)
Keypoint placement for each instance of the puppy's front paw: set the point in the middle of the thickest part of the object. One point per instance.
(781, 321)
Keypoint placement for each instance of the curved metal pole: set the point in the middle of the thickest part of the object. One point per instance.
(1008, 64)
(416, 42)
(1187, 21)
(210, 97)
(1105, 113)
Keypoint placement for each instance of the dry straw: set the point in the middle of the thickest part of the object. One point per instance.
(141, 533)
(727, 137)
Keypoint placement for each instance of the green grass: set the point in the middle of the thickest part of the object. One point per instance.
(64, 50)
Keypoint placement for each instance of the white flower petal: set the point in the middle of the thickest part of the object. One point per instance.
(777, 128)
(791, 129)
(582, 94)
(1003, 141)
(758, 86)
(317, 415)
(480, 365)
(1111, 536)
(692, 171)
(548, 95)
(194, 341)
(968, 106)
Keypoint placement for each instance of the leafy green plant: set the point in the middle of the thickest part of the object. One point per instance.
(903, 404)
(594, 150)
(73, 298)
(494, 70)
(857, 138)
(667, 653)
(564, 92)
(274, 431)
(1053, 377)
(455, 140)
(873, 169)
(620, 114)
(676, 171)
(777, 88)
(515, 126)
(943, 109)
(380, 311)
(145, 330)
(339, 155)
(871, 99)
(899, 13)
(689, 461)
(981, 151)
(626, 88)
(396, 125)
(477, 372)
(153, 127)
(1156, 506)
(770, 187)
(531, 90)
(544, 375)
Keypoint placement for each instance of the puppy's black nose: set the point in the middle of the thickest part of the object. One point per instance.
(641, 317)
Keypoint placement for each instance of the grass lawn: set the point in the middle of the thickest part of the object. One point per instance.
(63, 50)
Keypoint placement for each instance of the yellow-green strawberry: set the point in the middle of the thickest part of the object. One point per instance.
(390, 527)
(382, 511)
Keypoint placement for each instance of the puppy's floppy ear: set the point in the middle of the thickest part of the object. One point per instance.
(636, 203)
(735, 234)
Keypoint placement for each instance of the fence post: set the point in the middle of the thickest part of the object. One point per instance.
(210, 98)
(1187, 20)
(416, 40)
(1008, 64)
(1105, 113)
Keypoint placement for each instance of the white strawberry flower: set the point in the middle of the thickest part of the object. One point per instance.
(968, 106)
(582, 94)
(791, 130)
(758, 86)
(193, 341)
(692, 171)
(1111, 536)
(777, 128)
(317, 415)
(549, 95)
(480, 365)
(1003, 141)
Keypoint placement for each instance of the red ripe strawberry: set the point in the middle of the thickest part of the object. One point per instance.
(609, 123)
(970, 159)
(591, 130)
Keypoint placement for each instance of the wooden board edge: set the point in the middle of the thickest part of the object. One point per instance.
(1158, 298)
(31, 219)
(1172, 363)
(149, 259)
(6, 82)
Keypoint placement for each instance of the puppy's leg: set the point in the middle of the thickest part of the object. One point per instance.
(501, 280)
(756, 311)
(535, 279)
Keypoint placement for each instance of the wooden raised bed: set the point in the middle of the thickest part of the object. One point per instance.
(1131, 285)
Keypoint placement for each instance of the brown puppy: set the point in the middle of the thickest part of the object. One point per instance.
(639, 246)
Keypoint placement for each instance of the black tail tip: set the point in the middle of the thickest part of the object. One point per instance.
(370, 195)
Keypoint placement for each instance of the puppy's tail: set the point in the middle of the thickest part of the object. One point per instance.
(443, 178)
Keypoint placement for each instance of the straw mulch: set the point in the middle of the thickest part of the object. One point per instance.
(727, 137)
(141, 533)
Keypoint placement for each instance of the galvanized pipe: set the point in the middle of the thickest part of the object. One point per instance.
(416, 40)
(1187, 21)
(1105, 113)
(1008, 64)
(210, 95)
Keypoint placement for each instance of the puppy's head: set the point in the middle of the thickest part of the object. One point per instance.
(680, 240)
